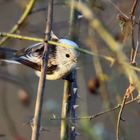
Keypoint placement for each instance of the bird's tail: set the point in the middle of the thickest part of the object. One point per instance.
(8, 55)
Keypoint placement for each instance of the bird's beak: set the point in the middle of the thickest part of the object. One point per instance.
(74, 60)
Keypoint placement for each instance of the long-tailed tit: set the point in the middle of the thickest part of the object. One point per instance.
(61, 61)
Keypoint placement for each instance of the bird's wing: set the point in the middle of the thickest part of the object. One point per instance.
(50, 68)
(32, 56)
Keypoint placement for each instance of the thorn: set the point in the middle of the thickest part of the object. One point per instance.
(54, 116)
(75, 90)
(75, 106)
(80, 16)
(73, 128)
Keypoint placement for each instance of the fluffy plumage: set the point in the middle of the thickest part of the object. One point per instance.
(60, 60)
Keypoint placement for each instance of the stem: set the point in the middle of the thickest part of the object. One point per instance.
(69, 97)
(94, 116)
(128, 92)
(41, 86)
(119, 117)
(84, 51)
(64, 125)
(132, 11)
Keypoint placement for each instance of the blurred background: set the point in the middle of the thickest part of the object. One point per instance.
(18, 83)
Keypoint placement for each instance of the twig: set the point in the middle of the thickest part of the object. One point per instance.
(107, 58)
(91, 117)
(129, 91)
(63, 132)
(133, 61)
(132, 11)
(118, 9)
(134, 49)
(133, 46)
(21, 37)
(119, 117)
(41, 85)
(20, 21)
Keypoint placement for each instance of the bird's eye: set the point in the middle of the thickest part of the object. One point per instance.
(67, 55)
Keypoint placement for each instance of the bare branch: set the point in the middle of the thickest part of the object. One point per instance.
(118, 9)
(133, 61)
(41, 85)
(85, 51)
(134, 48)
(129, 91)
(91, 117)
(132, 11)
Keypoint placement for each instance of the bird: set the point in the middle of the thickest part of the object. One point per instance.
(61, 60)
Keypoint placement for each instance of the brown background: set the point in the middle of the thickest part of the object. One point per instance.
(14, 115)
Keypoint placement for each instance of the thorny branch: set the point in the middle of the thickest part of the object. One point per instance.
(68, 130)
